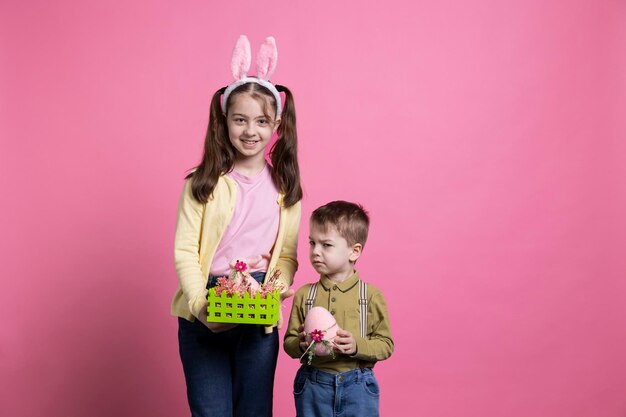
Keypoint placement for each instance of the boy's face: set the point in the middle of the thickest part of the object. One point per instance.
(330, 253)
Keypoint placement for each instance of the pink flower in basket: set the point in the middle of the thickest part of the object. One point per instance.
(225, 284)
(240, 266)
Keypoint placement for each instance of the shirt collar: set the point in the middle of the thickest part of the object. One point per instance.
(345, 286)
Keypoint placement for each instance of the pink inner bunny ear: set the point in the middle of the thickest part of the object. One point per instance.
(267, 59)
(240, 64)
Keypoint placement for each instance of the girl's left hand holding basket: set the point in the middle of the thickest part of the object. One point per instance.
(214, 327)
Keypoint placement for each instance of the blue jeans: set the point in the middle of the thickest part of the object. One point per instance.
(229, 373)
(354, 393)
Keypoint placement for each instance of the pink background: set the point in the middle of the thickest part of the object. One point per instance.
(487, 139)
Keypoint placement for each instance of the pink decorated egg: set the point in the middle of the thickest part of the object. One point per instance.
(317, 320)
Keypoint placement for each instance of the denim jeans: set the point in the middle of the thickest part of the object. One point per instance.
(354, 393)
(229, 373)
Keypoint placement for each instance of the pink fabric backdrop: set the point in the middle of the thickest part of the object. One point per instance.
(485, 137)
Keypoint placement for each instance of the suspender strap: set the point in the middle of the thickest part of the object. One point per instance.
(310, 299)
(363, 308)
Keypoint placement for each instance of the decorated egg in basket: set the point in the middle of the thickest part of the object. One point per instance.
(241, 273)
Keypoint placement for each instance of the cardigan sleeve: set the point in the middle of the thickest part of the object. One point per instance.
(187, 250)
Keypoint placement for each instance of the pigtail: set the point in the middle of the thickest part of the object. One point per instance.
(284, 153)
(218, 157)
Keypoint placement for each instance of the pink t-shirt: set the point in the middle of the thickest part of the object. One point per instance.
(253, 228)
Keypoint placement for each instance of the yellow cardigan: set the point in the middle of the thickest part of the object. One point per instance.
(200, 228)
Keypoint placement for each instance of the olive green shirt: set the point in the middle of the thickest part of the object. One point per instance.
(342, 300)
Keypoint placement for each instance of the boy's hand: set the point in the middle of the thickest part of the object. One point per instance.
(304, 345)
(344, 342)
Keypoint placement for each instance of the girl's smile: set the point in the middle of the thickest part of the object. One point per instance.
(249, 143)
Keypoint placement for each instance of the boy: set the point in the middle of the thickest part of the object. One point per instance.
(345, 384)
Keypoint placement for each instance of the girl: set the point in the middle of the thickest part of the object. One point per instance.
(235, 205)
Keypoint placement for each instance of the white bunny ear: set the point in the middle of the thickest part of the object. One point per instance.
(240, 64)
(267, 59)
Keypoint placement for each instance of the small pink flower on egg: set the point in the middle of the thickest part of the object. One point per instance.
(317, 335)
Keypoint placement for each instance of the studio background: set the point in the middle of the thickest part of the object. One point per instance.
(485, 137)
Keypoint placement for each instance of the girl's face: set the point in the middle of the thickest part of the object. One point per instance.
(249, 129)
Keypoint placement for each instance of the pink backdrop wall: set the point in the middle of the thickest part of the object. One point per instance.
(485, 137)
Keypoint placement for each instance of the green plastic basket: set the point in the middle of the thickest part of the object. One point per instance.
(243, 310)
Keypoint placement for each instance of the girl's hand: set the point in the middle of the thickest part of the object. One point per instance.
(214, 327)
(344, 342)
(219, 327)
(286, 294)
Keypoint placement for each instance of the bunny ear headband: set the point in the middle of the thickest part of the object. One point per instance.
(265, 66)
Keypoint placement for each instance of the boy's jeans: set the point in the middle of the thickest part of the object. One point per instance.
(321, 394)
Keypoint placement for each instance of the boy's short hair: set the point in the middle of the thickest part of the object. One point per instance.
(350, 219)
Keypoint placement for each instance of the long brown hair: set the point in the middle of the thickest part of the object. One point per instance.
(219, 155)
